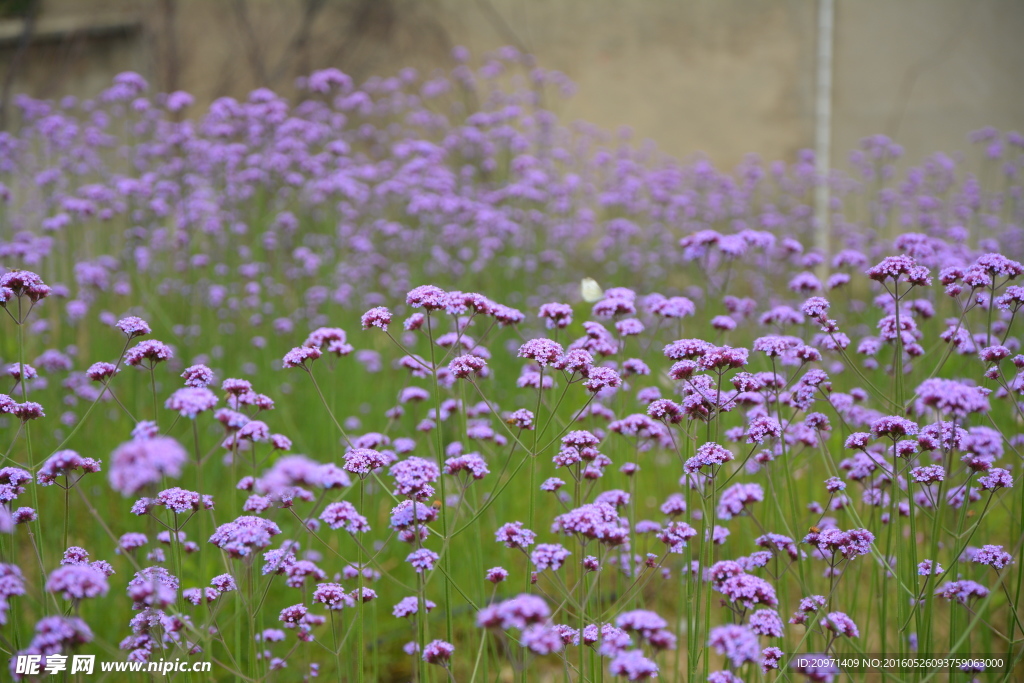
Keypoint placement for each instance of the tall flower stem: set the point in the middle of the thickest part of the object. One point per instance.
(446, 560)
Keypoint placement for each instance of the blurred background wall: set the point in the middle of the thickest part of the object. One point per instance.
(718, 77)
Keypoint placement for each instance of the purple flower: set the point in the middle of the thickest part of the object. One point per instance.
(147, 354)
(197, 376)
(961, 591)
(198, 596)
(779, 543)
(333, 338)
(409, 607)
(665, 410)
(763, 428)
(816, 307)
(63, 463)
(998, 264)
(687, 349)
(596, 521)
(522, 418)
(513, 535)
(549, 556)
(468, 462)
(673, 307)
(24, 283)
(422, 560)
(748, 590)
(644, 622)
(29, 410)
(708, 455)
(542, 351)
(224, 583)
(835, 485)
(413, 322)
(994, 354)
(996, 478)
(376, 317)
(466, 366)
(675, 535)
(518, 612)
(411, 513)
(21, 371)
(496, 574)
(629, 327)
(427, 297)
(952, 398)
(77, 582)
(298, 356)
(897, 267)
(633, 666)
(857, 440)
(928, 474)
(723, 322)
(414, 476)
(773, 346)
(244, 535)
(293, 616)
(555, 315)
(131, 541)
(343, 515)
(722, 357)
(893, 426)
(599, 378)
(24, 515)
(840, 624)
(735, 499)
(766, 622)
(770, 658)
(332, 596)
(737, 643)
(189, 402)
(542, 639)
(141, 462)
(100, 372)
(363, 461)
(134, 326)
(850, 544)
(674, 505)
(580, 439)
(808, 605)
(575, 361)
(438, 652)
(11, 480)
(1011, 299)
(180, 501)
(993, 556)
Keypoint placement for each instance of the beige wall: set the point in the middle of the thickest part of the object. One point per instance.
(926, 72)
(720, 77)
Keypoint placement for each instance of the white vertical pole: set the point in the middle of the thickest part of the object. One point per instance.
(823, 126)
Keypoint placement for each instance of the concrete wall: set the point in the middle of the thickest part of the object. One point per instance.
(719, 77)
(925, 72)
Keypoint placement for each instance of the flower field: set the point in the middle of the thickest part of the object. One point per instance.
(312, 389)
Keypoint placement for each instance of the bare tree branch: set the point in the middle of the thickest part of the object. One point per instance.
(253, 51)
(298, 47)
(171, 72)
(369, 15)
